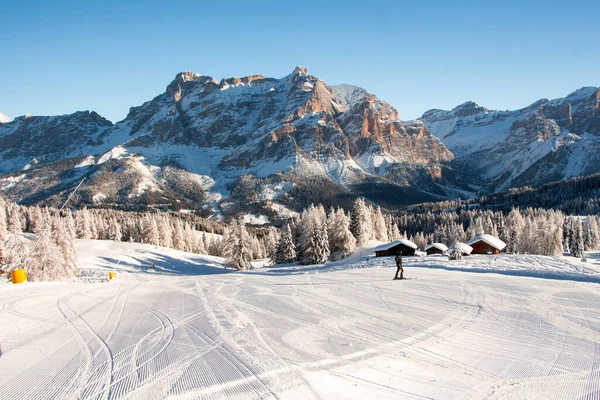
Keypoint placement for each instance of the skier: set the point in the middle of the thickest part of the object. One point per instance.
(399, 267)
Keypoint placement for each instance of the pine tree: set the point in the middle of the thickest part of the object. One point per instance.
(64, 241)
(455, 253)
(341, 241)
(166, 233)
(114, 231)
(3, 219)
(576, 238)
(286, 251)
(514, 226)
(15, 251)
(150, 232)
(360, 225)
(190, 238)
(83, 224)
(590, 233)
(14, 219)
(379, 229)
(95, 235)
(228, 241)
(240, 255)
(317, 251)
(46, 263)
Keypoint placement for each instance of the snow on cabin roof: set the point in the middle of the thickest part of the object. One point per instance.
(389, 245)
(439, 246)
(489, 239)
(463, 247)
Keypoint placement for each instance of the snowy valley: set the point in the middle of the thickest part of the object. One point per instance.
(189, 328)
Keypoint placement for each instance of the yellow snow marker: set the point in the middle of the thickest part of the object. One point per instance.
(18, 275)
(111, 275)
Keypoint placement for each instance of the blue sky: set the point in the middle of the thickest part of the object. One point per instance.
(59, 57)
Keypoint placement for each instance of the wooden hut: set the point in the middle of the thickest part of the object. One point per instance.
(463, 247)
(403, 247)
(436, 248)
(482, 244)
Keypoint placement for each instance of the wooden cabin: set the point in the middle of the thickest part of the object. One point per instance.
(403, 247)
(482, 244)
(464, 248)
(436, 248)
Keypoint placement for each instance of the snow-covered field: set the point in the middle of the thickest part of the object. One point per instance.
(189, 328)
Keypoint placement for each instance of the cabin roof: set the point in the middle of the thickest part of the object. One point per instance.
(463, 247)
(387, 246)
(490, 240)
(439, 246)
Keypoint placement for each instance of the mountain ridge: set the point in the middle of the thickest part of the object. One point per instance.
(548, 140)
(193, 143)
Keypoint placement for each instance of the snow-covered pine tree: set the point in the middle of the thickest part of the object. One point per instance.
(567, 233)
(150, 232)
(455, 253)
(3, 221)
(311, 217)
(166, 233)
(114, 231)
(556, 248)
(271, 241)
(191, 240)
(341, 241)
(379, 229)
(82, 224)
(286, 250)
(64, 241)
(396, 235)
(45, 262)
(34, 216)
(360, 224)
(241, 254)
(93, 226)
(317, 251)
(15, 251)
(514, 226)
(590, 233)
(178, 235)
(229, 239)
(576, 239)
(70, 225)
(475, 228)
(14, 218)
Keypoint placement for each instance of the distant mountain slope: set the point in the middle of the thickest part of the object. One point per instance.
(195, 145)
(547, 141)
(4, 118)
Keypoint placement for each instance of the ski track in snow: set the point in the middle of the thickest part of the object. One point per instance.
(350, 333)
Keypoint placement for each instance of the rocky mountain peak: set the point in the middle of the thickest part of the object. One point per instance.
(468, 108)
(300, 70)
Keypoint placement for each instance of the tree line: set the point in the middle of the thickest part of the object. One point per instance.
(314, 237)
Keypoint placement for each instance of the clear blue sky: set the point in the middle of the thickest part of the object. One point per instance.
(59, 57)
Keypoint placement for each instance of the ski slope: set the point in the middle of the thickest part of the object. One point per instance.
(191, 329)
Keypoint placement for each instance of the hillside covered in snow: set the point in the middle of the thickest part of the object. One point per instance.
(505, 327)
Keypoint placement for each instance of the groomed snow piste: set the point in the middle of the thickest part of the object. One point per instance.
(191, 329)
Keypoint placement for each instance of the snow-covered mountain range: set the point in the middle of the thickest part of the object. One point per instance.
(547, 141)
(275, 144)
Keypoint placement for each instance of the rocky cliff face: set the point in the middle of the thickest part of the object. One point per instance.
(547, 141)
(202, 135)
(30, 140)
